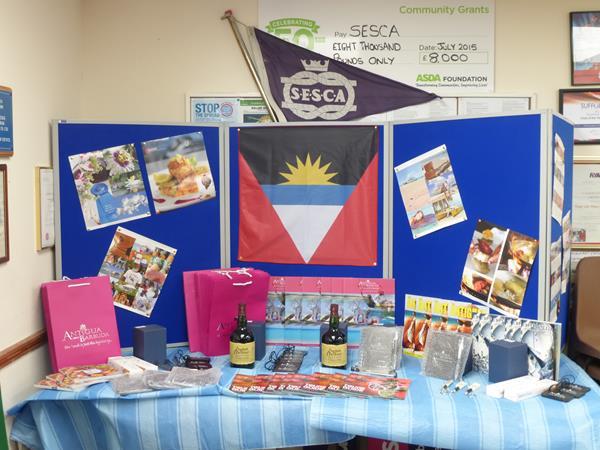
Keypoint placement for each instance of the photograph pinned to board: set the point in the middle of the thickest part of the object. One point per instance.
(110, 186)
(422, 314)
(429, 192)
(555, 278)
(567, 236)
(138, 268)
(178, 171)
(498, 266)
(558, 183)
(542, 339)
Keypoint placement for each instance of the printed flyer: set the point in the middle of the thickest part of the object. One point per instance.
(178, 171)
(110, 186)
(558, 188)
(498, 266)
(567, 234)
(429, 192)
(138, 268)
(424, 313)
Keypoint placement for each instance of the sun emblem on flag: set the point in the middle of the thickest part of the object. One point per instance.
(308, 172)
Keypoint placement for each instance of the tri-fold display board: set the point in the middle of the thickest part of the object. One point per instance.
(322, 200)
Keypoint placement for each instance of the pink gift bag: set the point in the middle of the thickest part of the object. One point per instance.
(80, 321)
(211, 304)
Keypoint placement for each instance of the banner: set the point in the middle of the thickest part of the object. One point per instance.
(440, 46)
(308, 195)
(304, 85)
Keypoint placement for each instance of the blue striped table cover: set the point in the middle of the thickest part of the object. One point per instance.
(456, 421)
(209, 418)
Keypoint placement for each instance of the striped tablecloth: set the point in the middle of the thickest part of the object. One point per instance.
(209, 418)
(456, 421)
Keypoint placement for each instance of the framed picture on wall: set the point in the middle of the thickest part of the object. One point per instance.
(585, 47)
(4, 247)
(582, 107)
(586, 204)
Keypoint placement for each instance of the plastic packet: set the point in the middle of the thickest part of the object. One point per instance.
(446, 354)
(129, 384)
(184, 377)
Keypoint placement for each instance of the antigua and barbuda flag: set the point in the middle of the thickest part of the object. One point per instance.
(308, 195)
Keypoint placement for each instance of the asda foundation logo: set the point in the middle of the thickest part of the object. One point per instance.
(428, 77)
(302, 32)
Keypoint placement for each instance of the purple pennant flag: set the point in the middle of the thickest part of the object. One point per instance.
(304, 85)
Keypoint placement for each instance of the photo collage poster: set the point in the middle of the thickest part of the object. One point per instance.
(498, 266)
(307, 300)
(112, 190)
(138, 268)
(567, 240)
(178, 171)
(429, 192)
(422, 314)
(110, 186)
(542, 339)
(555, 278)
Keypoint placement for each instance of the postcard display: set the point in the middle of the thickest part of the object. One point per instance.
(503, 167)
(165, 196)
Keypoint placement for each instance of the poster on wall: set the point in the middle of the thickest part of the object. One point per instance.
(567, 234)
(498, 266)
(138, 268)
(585, 47)
(582, 107)
(6, 121)
(250, 109)
(555, 278)
(586, 204)
(429, 192)
(178, 171)
(110, 186)
(308, 195)
(435, 46)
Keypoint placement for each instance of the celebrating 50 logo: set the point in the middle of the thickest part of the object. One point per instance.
(296, 30)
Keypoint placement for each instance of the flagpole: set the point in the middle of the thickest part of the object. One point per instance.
(229, 16)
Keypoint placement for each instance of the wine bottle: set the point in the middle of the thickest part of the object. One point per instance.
(241, 342)
(334, 347)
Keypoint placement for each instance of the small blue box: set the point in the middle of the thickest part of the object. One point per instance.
(150, 343)
(258, 331)
(507, 360)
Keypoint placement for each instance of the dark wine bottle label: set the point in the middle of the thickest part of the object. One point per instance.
(241, 354)
(334, 355)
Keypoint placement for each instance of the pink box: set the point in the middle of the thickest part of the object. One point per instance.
(80, 321)
(211, 305)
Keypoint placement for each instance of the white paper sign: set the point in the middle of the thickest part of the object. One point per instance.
(435, 45)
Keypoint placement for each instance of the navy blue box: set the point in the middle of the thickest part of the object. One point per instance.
(258, 331)
(150, 343)
(507, 360)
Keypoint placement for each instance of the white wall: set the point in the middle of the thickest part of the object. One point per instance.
(41, 61)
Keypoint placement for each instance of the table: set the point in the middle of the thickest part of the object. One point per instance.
(214, 418)
(429, 418)
(209, 418)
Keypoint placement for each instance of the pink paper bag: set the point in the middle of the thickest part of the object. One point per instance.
(211, 304)
(80, 321)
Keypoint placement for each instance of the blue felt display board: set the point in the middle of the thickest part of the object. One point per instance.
(301, 269)
(496, 162)
(565, 131)
(194, 230)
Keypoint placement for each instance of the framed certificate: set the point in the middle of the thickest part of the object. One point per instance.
(586, 204)
(582, 107)
(585, 47)
(44, 207)
(4, 246)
